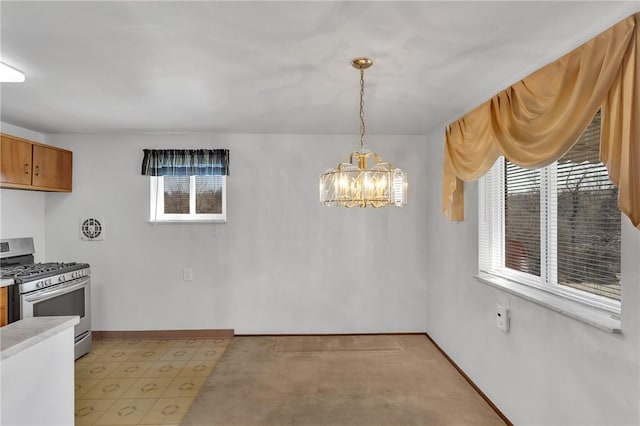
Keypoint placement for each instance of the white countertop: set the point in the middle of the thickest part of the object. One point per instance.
(20, 335)
(4, 282)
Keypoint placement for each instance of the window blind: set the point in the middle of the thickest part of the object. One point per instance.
(176, 195)
(522, 219)
(588, 219)
(209, 194)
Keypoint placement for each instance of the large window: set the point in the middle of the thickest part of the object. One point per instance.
(188, 198)
(556, 228)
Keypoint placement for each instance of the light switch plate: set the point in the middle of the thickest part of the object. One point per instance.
(502, 318)
(187, 274)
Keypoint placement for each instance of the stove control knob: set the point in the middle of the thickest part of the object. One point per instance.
(43, 283)
(61, 278)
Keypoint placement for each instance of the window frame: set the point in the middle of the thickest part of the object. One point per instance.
(156, 204)
(491, 237)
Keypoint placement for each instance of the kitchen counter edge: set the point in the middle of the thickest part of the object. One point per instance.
(6, 282)
(20, 335)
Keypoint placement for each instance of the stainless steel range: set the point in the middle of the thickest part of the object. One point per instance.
(46, 289)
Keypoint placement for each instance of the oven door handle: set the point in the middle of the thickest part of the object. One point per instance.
(40, 296)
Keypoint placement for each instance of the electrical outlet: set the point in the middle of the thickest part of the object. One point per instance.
(502, 318)
(187, 274)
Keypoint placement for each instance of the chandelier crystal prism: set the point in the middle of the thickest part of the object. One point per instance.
(362, 179)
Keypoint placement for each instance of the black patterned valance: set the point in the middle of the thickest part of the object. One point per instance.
(185, 162)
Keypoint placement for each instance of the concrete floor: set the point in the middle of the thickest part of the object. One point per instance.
(337, 380)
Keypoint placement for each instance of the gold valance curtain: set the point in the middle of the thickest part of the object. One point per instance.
(535, 121)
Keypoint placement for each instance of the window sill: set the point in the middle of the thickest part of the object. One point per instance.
(589, 315)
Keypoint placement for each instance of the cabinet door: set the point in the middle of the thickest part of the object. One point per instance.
(52, 168)
(4, 307)
(15, 161)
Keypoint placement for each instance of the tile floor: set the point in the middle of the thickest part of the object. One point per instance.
(145, 382)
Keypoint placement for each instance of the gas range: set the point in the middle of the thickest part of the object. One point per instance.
(45, 289)
(36, 276)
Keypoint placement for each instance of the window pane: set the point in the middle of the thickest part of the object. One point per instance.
(209, 194)
(522, 219)
(176, 194)
(588, 219)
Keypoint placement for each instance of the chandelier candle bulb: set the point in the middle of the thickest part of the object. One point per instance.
(356, 183)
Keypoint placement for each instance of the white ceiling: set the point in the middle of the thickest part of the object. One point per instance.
(275, 67)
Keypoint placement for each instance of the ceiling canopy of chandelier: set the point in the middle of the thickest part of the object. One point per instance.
(362, 179)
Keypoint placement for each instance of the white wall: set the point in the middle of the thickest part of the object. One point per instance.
(281, 264)
(550, 369)
(21, 132)
(22, 212)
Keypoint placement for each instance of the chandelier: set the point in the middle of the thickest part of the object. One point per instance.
(362, 179)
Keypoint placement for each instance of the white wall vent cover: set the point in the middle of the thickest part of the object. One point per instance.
(92, 229)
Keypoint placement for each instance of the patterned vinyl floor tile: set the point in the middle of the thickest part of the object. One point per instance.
(145, 381)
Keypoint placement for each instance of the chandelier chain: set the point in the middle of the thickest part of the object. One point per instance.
(362, 129)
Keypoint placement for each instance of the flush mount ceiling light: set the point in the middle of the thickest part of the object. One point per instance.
(9, 74)
(362, 179)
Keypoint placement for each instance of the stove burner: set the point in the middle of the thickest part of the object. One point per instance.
(33, 271)
(11, 271)
(42, 268)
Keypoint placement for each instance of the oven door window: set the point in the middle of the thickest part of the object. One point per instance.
(65, 304)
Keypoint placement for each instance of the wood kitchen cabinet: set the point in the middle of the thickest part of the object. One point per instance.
(4, 307)
(15, 161)
(51, 167)
(25, 164)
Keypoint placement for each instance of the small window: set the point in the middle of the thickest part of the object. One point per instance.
(188, 199)
(187, 185)
(557, 228)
